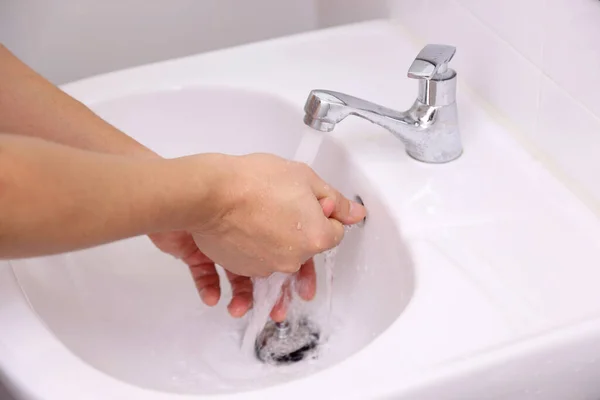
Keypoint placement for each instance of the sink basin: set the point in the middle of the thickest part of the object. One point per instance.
(465, 277)
(133, 313)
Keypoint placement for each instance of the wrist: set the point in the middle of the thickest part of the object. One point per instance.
(192, 192)
(125, 145)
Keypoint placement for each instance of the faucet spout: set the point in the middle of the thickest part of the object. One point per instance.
(327, 108)
(415, 127)
(428, 129)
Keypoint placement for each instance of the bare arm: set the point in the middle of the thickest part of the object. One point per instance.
(32, 106)
(59, 221)
(55, 198)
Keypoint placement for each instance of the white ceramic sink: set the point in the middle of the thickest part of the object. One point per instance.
(465, 275)
(133, 313)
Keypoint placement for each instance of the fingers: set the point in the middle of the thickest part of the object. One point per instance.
(180, 244)
(328, 206)
(346, 211)
(325, 233)
(335, 205)
(241, 301)
(279, 311)
(205, 277)
(306, 281)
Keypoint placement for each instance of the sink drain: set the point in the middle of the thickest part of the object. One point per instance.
(286, 342)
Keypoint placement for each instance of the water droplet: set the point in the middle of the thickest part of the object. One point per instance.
(299, 225)
(290, 248)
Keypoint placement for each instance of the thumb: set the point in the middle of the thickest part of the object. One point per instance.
(336, 206)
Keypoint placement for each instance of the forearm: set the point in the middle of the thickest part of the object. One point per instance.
(54, 198)
(32, 106)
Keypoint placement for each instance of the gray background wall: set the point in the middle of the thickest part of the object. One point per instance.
(67, 40)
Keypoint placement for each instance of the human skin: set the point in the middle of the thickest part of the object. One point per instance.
(70, 180)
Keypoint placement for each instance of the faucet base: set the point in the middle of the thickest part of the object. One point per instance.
(442, 159)
(438, 141)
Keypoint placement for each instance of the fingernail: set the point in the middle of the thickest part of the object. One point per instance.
(356, 210)
(210, 299)
(236, 311)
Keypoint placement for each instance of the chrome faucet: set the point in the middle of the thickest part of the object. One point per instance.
(428, 129)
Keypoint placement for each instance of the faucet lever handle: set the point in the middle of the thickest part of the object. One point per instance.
(431, 60)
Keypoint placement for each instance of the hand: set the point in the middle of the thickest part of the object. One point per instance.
(270, 215)
(181, 245)
(261, 205)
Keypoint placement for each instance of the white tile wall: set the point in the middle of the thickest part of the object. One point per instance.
(535, 61)
(572, 49)
(515, 21)
(571, 134)
(483, 58)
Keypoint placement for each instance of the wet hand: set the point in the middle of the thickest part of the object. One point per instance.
(263, 214)
(181, 245)
(268, 214)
